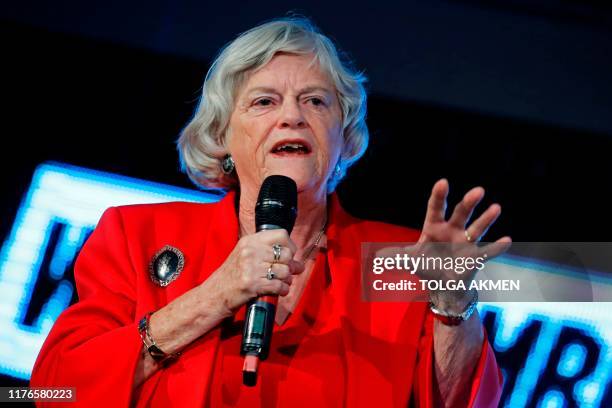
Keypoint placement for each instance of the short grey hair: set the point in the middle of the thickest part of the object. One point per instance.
(201, 144)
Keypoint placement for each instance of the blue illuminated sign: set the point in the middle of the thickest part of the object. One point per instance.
(551, 354)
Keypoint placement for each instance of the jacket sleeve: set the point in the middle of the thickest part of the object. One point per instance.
(486, 383)
(94, 345)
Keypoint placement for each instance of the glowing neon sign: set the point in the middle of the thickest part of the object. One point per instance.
(552, 354)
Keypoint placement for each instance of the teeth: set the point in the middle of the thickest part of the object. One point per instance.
(291, 147)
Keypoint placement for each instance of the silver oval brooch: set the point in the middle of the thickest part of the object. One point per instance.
(166, 265)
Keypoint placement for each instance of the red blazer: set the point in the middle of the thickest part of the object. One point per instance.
(94, 345)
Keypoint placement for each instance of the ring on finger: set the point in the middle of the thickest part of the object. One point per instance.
(276, 249)
(472, 238)
(270, 274)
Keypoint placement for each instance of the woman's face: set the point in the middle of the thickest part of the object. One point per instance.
(286, 120)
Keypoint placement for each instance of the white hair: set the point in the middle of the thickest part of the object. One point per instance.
(202, 145)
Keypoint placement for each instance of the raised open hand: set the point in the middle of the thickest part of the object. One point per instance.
(459, 239)
(437, 229)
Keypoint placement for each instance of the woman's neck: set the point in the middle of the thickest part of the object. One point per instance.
(311, 217)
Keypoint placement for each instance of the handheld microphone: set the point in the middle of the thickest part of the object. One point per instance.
(276, 208)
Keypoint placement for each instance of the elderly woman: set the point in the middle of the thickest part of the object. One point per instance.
(277, 101)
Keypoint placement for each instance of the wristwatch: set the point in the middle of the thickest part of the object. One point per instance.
(452, 319)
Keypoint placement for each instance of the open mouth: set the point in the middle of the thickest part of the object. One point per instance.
(291, 147)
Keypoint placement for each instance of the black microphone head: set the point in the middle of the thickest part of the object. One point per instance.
(277, 204)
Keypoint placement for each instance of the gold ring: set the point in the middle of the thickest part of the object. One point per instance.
(468, 236)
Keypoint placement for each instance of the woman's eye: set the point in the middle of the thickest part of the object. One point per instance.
(263, 102)
(317, 101)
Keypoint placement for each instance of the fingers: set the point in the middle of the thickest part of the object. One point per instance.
(496, 248)
(296, 267)
(286, 254)
(268, 239)
(263, 269)
(283, 278)
(436, 206)
(464, 209)
(480, 226)
(279, 236)
(261, 246)
(273, 287)
(283, 272)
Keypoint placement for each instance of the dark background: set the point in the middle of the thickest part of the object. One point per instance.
(515, 96)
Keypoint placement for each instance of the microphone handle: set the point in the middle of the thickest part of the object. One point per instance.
(259, 320)
(258, 326)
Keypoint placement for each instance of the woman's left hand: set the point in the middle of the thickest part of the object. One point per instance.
(436, 229)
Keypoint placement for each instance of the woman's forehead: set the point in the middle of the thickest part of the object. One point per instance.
(283, 67)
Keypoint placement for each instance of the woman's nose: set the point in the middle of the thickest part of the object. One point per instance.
(291, 116)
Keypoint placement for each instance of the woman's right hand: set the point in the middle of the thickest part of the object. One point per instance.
(243, 275)
(240, 278)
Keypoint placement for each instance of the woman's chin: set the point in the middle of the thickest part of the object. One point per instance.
(305, 181)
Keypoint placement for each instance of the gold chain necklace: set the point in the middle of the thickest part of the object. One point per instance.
(316, 241)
